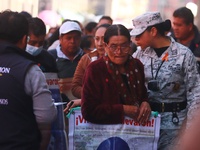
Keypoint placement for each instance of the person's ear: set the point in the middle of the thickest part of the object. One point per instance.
(60, 39)
(190, 26)
(25, 39)
(153, 31)
(105, 47)
(104, 44)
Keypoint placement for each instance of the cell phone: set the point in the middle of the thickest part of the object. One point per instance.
(71, 103)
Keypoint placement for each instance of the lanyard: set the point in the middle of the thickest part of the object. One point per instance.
(165, 58)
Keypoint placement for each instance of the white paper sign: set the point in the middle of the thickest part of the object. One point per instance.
(130, 135)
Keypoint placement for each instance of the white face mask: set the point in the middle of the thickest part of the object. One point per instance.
(33, 50)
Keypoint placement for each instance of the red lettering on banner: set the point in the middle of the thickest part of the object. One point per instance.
(80, 120)
(52, 81)
(152, 122)
(76, 121)
(149, 123)
(136, 124)
(128, 122)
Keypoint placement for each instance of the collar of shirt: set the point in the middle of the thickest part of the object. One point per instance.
(60, 54)
(172, 50)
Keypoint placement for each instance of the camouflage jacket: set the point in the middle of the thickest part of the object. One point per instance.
(178, 79)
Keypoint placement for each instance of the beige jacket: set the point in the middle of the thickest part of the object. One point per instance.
(80, 70)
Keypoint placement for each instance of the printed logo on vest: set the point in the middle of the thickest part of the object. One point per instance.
(4, 70)
(3, 101)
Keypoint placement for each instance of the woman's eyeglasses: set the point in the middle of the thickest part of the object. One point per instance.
(124, 48)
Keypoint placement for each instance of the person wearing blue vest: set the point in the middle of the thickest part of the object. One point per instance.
(25, 101)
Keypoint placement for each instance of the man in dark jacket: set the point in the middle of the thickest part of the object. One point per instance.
(36, 38)
(25, 101)
(67, 54)
(185, 32)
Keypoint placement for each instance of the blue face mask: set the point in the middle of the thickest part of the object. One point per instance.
(33, 50)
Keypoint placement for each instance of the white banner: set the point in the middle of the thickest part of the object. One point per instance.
(128, 136)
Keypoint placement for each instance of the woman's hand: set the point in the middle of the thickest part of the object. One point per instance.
(131, 111)
(145, 112)
(75, 104)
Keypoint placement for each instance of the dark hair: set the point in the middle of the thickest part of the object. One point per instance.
(107, 18)
(36, 26)
(13, 26)
(86, 41)
(65, 20)
(102, 26)
(185, 13)
(115, 30)
(49, 41)
(162, 27)
(26, 14)
(90, 26)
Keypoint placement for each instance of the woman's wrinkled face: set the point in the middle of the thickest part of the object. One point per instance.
(118, 49)
(99, 40)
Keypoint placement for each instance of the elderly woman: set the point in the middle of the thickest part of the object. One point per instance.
(113, 85)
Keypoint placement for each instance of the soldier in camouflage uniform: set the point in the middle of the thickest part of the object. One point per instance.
(171, 75)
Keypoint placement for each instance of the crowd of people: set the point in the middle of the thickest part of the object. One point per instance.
(107, 69)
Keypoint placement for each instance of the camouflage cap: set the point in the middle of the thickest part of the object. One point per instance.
(145, 20)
